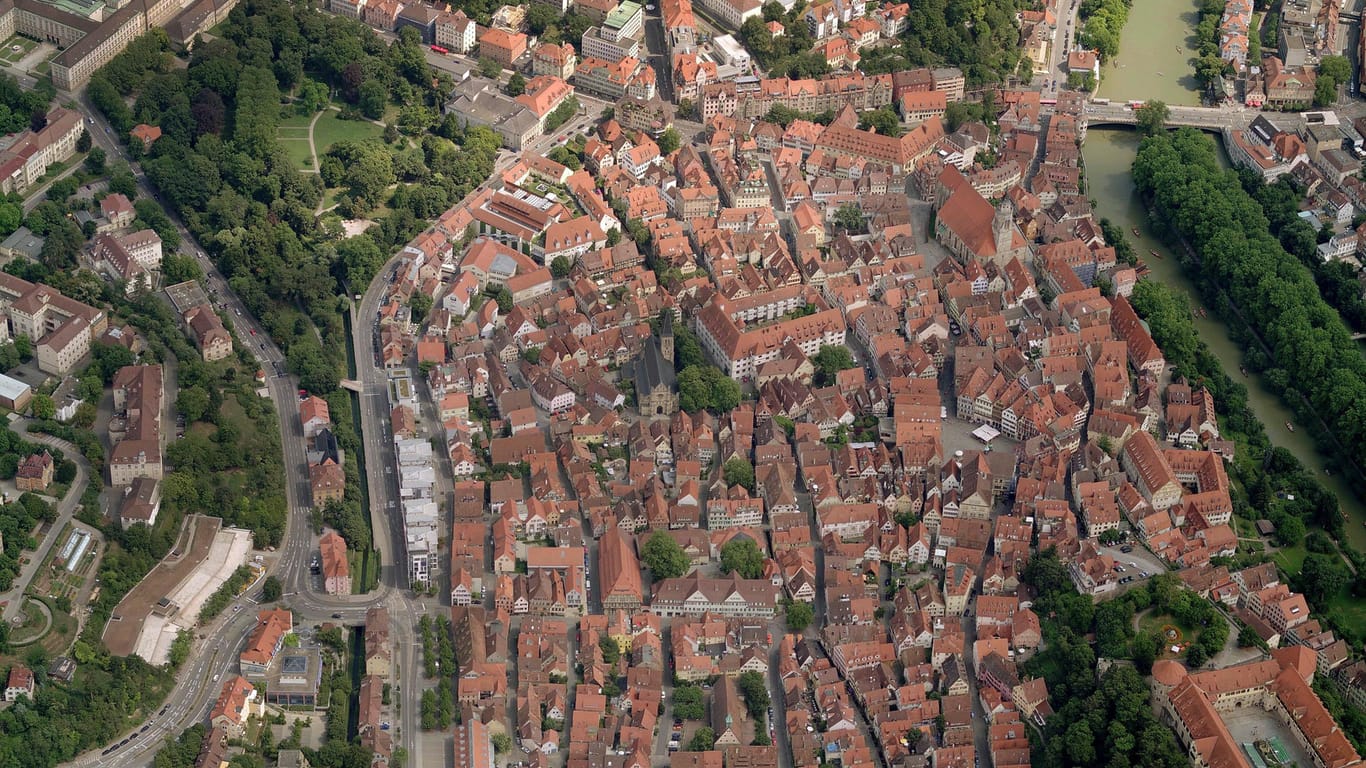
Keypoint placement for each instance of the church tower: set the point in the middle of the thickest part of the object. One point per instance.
(1003, 227)
(666, 336)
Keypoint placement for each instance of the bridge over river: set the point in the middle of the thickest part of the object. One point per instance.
(1217, 119)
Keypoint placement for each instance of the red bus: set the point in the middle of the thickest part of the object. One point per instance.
(440, 50)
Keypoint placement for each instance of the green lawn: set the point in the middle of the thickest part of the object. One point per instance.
(25, 47)
(1291, 559)
(1351, 614)
(329, 130)
(297, 121)
(298, 150)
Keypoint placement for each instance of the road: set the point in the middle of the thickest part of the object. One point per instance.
(657, 52)
(196, 689)
(65, 509)
(1065, 14)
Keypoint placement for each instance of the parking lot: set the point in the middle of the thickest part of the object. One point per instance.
(1138, 563)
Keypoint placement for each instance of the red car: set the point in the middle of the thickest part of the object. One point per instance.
(253, 331)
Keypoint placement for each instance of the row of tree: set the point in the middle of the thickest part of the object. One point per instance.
(1102, 23)
(1312, 357)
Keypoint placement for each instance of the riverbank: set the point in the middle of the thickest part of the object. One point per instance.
(1109, 155)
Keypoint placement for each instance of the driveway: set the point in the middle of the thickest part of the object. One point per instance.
(65, 509)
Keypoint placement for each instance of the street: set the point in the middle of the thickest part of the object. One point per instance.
(1065, 12)
(197, 681)
(65, 509)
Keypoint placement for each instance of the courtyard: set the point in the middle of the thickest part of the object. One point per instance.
(1253, 724)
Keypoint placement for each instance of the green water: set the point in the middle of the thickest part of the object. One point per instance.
(1109, 155)
(1156, 51)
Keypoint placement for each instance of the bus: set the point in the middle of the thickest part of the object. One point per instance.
(440, 50)
(1048, 102)
(1100, 101)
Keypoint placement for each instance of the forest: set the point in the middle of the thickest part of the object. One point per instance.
(1337, 281)
(1238, 261)
(980, 37)
(267, 225)
(1105, 721)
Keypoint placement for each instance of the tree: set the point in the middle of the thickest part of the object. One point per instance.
(1196, 655)
(502, 743)
(1152, 117)
(421, 304)
(62, 246)
(849, 217)
(1290, 530)
(688, 703)
(737, 471)
(192, 403)
(504, 299)
(610, 650)
(1325, 92)
(883, 120)
(560, 266)
(83, 143)
(703, 740)
(489, 68)
(664, 558)
(1320, 542)
(1321, 578)
(755, 692)
(799, 615)
(516, 84)
(566, 157)
(668, 141)
(703, 387)
(94, 162)
(1080, 744)
(829, 361)
(43, 407)
(373, 99)
(1335, 68)
(741, 555)
(271, 589)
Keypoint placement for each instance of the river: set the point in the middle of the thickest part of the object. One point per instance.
(1154, 62)
(1156, 49)
(1109, 154)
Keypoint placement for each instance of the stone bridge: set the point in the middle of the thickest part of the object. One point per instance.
(1217, 119)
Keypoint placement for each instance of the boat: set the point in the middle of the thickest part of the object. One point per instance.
(1242, 369)
(1135, 231)
(1289, 427)
(1155, 254)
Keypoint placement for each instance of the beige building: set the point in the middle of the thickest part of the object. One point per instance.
(27, 159)
(61, 326)
(214, 341)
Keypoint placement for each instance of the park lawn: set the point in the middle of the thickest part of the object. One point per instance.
(62, 633)
(330, 129)
(1351, 614)
(295, 122)
(1152, 624)
(1291, 559)
(299, 151)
